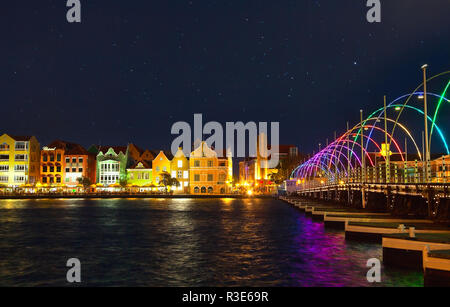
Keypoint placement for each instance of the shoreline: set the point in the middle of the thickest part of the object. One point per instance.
(106, 196)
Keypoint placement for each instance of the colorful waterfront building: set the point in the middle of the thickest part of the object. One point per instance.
(208, 173)
(19, 160)
(180, 171)
(140, 175)
(161, 164)
(52, 169)
(112, 164)
(63, 163)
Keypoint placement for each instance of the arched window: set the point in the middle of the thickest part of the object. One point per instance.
(222, 191)
(196, 190)
(203, 190)
(210, 190)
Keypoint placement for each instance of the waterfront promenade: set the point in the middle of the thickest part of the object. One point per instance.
(126, 195)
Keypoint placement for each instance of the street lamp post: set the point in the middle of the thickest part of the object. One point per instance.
(427, 149)
(363, 160)
(388, 165)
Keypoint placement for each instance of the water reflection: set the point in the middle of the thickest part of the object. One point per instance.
(179, 242)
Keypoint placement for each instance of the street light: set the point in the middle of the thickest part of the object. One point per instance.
(427, 149)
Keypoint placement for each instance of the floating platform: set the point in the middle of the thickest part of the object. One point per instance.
(374, 231)
(405, 251)
(436, 268)
(339, 221)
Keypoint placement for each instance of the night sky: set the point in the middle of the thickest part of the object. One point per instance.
(133, 68)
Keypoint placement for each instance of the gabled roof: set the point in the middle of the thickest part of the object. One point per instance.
(145, 164)
(117, 149)
(21, 138)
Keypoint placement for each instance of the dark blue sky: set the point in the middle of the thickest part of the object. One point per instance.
(133, 68)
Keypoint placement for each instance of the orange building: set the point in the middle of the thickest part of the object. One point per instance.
(62, 163)
(161, 164)
(52, 157)
(209, 174)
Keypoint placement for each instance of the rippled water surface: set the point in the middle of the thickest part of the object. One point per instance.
(180, 242)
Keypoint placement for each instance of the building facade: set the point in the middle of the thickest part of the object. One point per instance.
(19, 160)
(180, 171)
(208, 174)
(140, 175)
(63, 163)
(52, 169)
(161, 164)
(112, 163)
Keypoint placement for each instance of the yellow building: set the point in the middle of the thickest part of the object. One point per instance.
(19, 160)
(180, 171)
(161, 164)
(209, 174)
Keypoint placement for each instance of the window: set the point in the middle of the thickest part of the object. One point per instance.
(174, 174)
(74, 169)
(147, 176)
(67, 179)
(186, 183)
(67, 160)
(19, 168)
(196, 190)
(19, 178)
(203, 190)
(210, 163)
(164, 169)
(58, 157)
(4, 168)
(197, 163)
(21, 157)
(80, 160)
(139, 176)
(185, 174)
(58, 179)
(44, 179)
(196, 177)
(157, 180)
(157, 168)
(131, 176)
(3, 179)
(52, 168)
(58, 169)
(45, 158)
(180, 174)
(210, 177)
(4, 157)
(210, 189)
(67, 169)
(74, 160)
(180, 163)
(44, 168)
(222, 177)
(21, 145)
(4, 147)
(80, 169)
(52, 158)
(222, 164)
